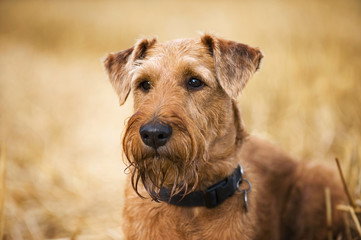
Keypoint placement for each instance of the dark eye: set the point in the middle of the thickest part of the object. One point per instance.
(194, 84)
(145, 86)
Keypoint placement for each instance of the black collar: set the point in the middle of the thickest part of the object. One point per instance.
(211, 197)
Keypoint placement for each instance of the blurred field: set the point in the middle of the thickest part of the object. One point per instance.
(60, 121)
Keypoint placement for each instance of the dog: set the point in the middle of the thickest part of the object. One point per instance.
(195, 173)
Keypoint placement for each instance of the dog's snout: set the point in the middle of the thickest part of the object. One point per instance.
(155, 134)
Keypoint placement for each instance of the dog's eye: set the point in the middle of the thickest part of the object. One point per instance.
(145, 86)
(194, 84)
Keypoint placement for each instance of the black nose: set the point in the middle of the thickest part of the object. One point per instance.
(155, 134)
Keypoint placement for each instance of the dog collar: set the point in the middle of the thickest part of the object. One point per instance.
(212, 196)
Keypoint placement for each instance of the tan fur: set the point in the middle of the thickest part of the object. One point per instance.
(208, 141)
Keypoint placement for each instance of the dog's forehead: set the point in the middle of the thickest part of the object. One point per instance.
(177, 49)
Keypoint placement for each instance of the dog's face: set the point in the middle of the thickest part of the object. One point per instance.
(183, 92)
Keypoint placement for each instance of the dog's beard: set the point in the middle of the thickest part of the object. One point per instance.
(174, 165)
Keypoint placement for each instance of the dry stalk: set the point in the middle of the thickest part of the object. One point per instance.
(351, 210)
(347, 226)
(328, 213)
(3, 190)
(350, 199)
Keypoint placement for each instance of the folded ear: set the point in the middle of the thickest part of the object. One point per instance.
(234, 62)
(119, 65)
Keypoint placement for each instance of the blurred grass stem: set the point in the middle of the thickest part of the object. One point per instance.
(3, 189)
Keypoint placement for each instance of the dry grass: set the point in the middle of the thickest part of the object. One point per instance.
(60, 122)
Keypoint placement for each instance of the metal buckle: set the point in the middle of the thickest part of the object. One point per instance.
(244, 191)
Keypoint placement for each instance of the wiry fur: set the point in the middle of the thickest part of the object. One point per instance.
(207, 143)
(178, 159)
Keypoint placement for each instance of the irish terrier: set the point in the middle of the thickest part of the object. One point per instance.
(187, 149)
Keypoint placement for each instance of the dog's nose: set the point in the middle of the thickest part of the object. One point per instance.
(155, 134)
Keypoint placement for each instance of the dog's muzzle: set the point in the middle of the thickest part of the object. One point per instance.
(155, 134)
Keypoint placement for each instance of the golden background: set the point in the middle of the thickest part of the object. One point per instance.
(60, 122)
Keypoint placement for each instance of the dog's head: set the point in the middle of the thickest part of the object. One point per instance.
(184, 92)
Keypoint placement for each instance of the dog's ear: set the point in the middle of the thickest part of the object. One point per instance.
(119, 65)
(234, 62)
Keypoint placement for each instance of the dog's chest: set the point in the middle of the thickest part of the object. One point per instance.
(201, 223)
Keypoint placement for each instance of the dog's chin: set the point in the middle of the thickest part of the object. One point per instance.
(158, 168)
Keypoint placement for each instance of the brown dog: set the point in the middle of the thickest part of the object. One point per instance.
(187, 149)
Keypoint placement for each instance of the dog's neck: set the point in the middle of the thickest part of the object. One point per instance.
(223, 151)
